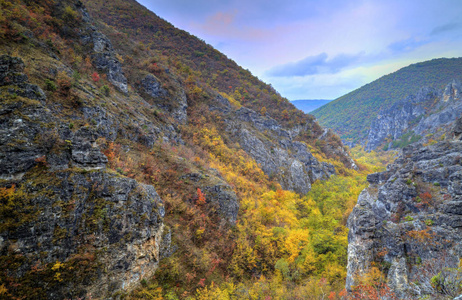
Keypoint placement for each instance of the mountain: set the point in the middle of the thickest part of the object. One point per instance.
(352, 114)
(405, 230)
(139, 162)
(425, 117)
(309, 105)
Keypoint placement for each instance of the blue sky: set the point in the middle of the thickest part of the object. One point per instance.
(311, 49)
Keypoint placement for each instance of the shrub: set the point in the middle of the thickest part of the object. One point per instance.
(50, 85)
(69, 14)
(408, 218)
(105, 90)
(64, 83)
(95, 77)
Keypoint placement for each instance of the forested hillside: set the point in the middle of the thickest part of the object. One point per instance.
(138, 162)
(351, 115)
(159, 41)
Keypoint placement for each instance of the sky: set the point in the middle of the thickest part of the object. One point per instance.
(320, 49)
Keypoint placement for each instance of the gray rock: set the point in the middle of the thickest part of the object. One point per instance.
(413, 232)
(179, 113)
(458, 128)
(81, 215)
(153, 87)
(110, 65)
(395, 121)
(225, 197)
(430, 112)
(103, 57)
(117, 220)
(12, 76)
(84, 152)
(24, 134)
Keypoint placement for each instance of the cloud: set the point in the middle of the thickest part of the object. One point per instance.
(445, 28)
(317, 64)
(406, 45)
(224, 24)
(323, 86)
(320, 48)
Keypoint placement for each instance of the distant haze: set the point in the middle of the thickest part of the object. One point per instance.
(309, 105)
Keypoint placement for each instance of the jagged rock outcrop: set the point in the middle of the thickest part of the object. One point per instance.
(409, 219)
(153, 87)
(11, 75)
(218, 193)
(174, 102)
(289, 161)
(22, 137)
(393, 122)
(337, 149)
(458, 129)
(294, 172)
(445, 112)
(429, 112)
(223, 195)
(104, 230)
(103, 55)
(65, 218)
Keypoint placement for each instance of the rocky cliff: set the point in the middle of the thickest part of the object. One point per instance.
(427, 115)
(104, 164)
(64, 216)
(276, 148)
(407, 223)
(352, 114)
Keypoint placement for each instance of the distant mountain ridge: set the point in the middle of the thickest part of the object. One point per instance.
(309, 105)
(351, 115)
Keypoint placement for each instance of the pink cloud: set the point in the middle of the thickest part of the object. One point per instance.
(225, 25)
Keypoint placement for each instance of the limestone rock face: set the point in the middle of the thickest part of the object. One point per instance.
(84, 152)
(153, 87)
(22, 138)
(103, 56)
(429, 113)
(105, 231)
(409, 219)
(458, 128)
(115, 221)
(11, 75)
(289, 161)
(177, 108)
(224, 195)
(218, 193)
(393, 122)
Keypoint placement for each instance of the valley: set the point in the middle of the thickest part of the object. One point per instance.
(139, 162)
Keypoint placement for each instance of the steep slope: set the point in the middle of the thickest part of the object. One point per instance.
(351, 115)
(189, 56)
(162, 47)
(115, 156)
(407, 223)
(425, 117)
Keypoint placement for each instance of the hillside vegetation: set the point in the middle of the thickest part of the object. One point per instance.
(159, 41)
(132, 166)
(351, 115)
